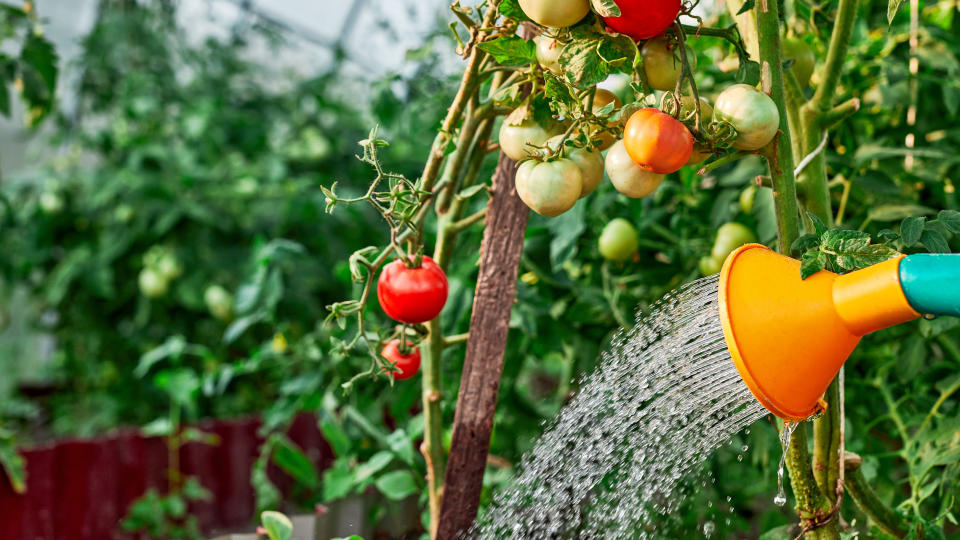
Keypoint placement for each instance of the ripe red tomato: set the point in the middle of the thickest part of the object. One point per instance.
(657, 142)
(412, 295)
(405, 365)
(644, 19)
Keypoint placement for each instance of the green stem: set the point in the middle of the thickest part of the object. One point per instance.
(780, 157)
(826, 448)
(867, 500)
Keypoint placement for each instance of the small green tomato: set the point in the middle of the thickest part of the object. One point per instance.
(618, 241)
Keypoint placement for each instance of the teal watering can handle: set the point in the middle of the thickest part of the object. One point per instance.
(931, 283)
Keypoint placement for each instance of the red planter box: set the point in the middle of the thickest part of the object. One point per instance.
(82, 489)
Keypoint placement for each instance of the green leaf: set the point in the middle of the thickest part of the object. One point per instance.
(181, 385)
(747, 6)
(396, 485)
(895, 212)
(934, 241)
(13, 464)
(512, 9)
(911, 229)
(171, 348)
(291, 459)
(605, 8)
(511, 50)
(374, 465)
(401, 445)
(277, 525)
(818, 224)
(559, 94)
(749, 71)
(845, 240)
(335, 435)
(951, 219)
(805, 242)
(811, 263)
(566, 230)
(893, 6)
(338, 480)
(912, 354)
(193, 490)
(241, 325)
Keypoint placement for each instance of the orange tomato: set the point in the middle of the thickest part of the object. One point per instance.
(657, 142)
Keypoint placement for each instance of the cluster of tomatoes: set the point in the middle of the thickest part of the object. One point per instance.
(410, 293)
(653, 144)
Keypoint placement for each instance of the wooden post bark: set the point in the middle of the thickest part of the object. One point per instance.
(500, 251)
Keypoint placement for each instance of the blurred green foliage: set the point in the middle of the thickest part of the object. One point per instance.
(194, 154)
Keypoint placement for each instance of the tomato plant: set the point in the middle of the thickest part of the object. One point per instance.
(657, 142)
(412, 294)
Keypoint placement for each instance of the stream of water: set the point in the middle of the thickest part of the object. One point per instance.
(664, 397)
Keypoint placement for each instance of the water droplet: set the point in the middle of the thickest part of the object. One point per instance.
(709, 528)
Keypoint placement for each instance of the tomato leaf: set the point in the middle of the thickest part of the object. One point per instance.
(511, 9)
(747, 6)
(12, 463)
(606, 8)
(397, 485)
(934, 241)
(911, 229)
(893, 6)
(806, 242)
(511, 50)
(894, 212)
(950, 219)
(277, 525)
(291, 459)
(811, 263)
(748, 72)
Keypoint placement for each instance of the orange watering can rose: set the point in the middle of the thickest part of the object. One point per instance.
(789, 337)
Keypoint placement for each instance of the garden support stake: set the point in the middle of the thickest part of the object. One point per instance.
(477, 400)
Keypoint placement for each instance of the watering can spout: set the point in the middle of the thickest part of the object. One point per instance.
(931, 283)
(789, 337)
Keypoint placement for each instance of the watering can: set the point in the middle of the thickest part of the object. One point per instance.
(789, 337)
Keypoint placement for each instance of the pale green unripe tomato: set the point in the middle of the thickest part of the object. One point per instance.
(219, 302)
(589, 161)
(548, 53)
(519, 141)
(747, 198)
(51, 202)
(627, 177)
(709, 265)
(730, 236)
(663, 64)
(549, 188)
(152, 283)
(751, 112)
(619, 240)
(168, 266)
(555, 13)
(803, 58)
